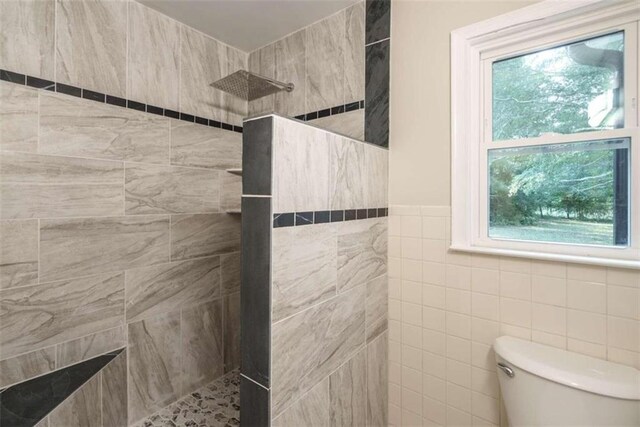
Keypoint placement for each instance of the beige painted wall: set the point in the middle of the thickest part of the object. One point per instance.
(420, 94)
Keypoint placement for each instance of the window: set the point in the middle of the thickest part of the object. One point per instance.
(545, 147)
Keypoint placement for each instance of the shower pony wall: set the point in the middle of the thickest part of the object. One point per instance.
(314, 285)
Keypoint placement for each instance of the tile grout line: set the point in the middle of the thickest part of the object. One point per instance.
(112, 272)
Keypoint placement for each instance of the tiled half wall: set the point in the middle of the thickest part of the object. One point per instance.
(314, 296)
(446, 308)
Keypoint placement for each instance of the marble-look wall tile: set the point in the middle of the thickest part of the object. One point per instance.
(18, 113)
(231, 332)
(78, 247)
(18, 253)
(377, 382)
(304, 268)
(91, 44)
(114, 392)
(376, 307)
(362, 252)
(311, 410)
(301, 167)
(348, 174)
(154, 364)
(43, 423)
(81, 409)
(202, 358)
(378, 20)
(348, 393)
(354, 53)
(27, 37)
(230, 192)
(377, 94)
(290, 60)
(26, 366)
(93, 345)
(80, 128)
(154, 57)
(203, 61)
(158, 289)
(36, 186)
(310, 345)
(153, 189)
(194, 236)
(325, 41)
(42, 315)
(377, 172)
(350, 124)
(230, 265)
(202, 146)
(263, 62)
(234, 109)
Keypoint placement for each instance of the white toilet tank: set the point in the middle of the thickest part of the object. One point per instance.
(546, 386)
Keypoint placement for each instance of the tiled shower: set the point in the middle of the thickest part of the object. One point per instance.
(124, 221)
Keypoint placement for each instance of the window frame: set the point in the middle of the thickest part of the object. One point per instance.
(473, 50)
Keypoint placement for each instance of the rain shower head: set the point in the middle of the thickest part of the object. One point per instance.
(250, 86)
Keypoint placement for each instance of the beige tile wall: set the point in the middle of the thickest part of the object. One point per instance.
(121, 48)
(113, 233)
(325, 62)
(446, 308)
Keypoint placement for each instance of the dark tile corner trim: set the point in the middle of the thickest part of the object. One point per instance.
(255, 291)
(26, 403)
(255, 404)
(294, 219)
(36, 82)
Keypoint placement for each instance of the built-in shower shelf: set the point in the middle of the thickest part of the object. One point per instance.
(233, 212)
(235, 171)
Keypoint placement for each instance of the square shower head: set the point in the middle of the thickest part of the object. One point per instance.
(250, 86)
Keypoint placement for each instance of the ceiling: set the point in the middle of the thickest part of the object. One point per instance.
(247, 24)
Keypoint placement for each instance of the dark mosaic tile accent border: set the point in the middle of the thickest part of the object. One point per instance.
(22, 79)
(333, 111)
(26, 403)
(294, 219)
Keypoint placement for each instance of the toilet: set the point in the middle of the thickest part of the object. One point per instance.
(546, 386)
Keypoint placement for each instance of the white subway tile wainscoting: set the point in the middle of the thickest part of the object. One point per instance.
(446, 309)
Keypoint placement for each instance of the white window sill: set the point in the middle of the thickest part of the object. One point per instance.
(607, 262)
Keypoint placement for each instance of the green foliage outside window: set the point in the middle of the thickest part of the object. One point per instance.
(568, 89)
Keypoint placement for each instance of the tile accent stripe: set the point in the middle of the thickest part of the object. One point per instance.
(333, 111)
(22, 79)
(294, 219)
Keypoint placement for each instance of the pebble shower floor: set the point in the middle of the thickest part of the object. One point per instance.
(215, 405)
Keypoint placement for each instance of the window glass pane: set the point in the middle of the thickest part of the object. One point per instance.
(577, 87)
(563, 193)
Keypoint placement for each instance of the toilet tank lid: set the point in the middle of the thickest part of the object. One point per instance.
(571, 369)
